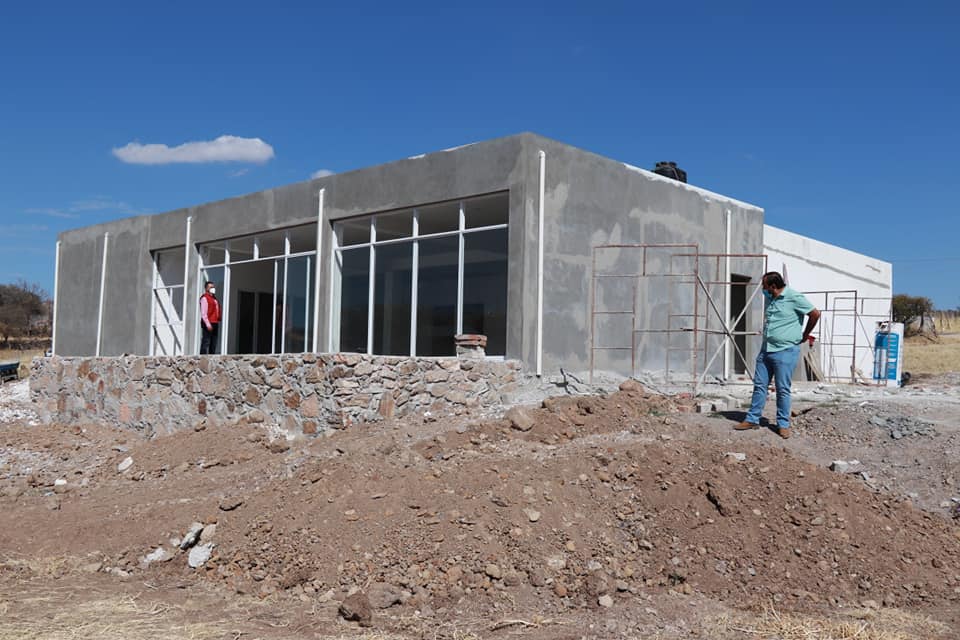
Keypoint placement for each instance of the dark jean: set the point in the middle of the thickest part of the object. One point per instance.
(779, 365)
(208, 341)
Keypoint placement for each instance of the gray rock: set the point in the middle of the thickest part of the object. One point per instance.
(208, 532)
(845, 466)
(200, 554)
(230, 503)
(605, 601)
(160, 554)
(191, 536)
(126, 464)
(520, 419)
(493, 571)
(383, 595)
(357, 608)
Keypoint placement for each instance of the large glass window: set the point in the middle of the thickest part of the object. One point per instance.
(485, 287)
(354, 299)
(437, 287)
(167, 303)
(391, 299)
(265, 284)
(407, 282)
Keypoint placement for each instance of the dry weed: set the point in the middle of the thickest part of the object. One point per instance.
(921, 355)
(860, 624)
(109, 618)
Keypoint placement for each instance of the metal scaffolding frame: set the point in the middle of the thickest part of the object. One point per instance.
(696, 321)
(838, 347)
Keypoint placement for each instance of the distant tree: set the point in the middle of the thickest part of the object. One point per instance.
(908, 309)
(24, 310)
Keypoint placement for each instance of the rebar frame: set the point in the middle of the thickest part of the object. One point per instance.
(700, 321)
(831, 342)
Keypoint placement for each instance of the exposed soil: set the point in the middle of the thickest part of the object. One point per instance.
(623, 515)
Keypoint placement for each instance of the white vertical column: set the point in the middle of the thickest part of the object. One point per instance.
(370, 283)
(543, 162)
(460, 252)
(273, 314)
(306, 306)
(316, 277)
(56, 282)
(154, 296)
(330, 290)
(186, 285)
(103, 282)
(726, 304)
(284, 304)
(225, 303)
(414, 280)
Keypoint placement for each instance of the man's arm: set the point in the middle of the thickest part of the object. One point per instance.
(203, 314)
(812, 318)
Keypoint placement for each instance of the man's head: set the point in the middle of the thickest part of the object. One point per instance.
(211, 288)
(773, 282)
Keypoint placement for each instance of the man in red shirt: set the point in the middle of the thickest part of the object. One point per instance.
(209, 319)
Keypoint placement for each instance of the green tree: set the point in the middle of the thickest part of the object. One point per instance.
(24, 310)
(906, 309)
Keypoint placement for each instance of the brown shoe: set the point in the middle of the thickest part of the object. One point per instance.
(744, 426)
(784, 432)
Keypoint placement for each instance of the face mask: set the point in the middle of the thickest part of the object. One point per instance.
(767, 295)
(213, 290)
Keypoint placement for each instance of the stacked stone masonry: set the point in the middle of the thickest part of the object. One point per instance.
(298, 394)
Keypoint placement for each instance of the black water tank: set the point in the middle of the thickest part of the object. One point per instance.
(670, 170)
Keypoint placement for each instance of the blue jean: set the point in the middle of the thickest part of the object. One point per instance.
(781, 365)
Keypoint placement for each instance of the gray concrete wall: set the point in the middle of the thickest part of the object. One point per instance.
(592, 201)
(127, 288)
(479, 168)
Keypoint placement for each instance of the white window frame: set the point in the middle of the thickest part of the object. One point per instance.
(336, 264)
(277, 260)
(177, 328)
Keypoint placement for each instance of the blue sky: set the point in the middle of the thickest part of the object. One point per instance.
(839, 118)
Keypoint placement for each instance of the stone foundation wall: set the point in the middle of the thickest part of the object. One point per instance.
(303, 393)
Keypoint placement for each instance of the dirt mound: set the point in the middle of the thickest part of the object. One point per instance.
(580, 505)
(630, 506)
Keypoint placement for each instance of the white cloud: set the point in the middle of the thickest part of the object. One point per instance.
(321, 173)
(239, 172)
(223, 149)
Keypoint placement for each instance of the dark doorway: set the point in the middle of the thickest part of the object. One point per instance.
(738, 300)
(254, 321)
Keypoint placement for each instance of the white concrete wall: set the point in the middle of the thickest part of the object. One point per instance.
(830, 275)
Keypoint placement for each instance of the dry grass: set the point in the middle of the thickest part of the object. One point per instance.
(54, 616)
(121, 617)
(861, 624)
(922, 355)
(947, 321)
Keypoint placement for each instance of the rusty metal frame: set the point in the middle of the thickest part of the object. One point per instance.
(700, 287)
(831, 298)
(643, 247)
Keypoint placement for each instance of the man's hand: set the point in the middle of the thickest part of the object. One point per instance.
(812, 318)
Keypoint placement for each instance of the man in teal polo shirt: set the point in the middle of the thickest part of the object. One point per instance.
(783, 333)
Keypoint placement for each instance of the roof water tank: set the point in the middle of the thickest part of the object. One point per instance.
(670, 170)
